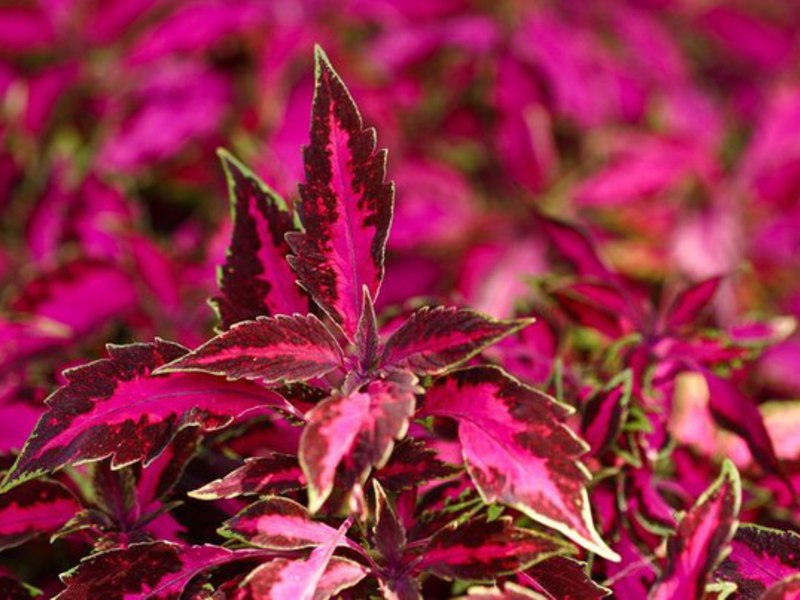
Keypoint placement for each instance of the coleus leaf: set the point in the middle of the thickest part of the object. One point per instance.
(153, 570)
(273, 474)
(604, 413)
(256, 280)
(11, 589)
(576, 246)
(114, 407)
(518, 451)
(283, 349)
(434, 340)
(594, 305)
(346, 204)
(480, 550)
(509, 591)
(278, 524)
(358, 429)
(701, 539)
(33, 508)
(388, 532)
(788, 589)
(412, 463)
(691, 301)
(318, 577)
(760, 558)
(563, 578)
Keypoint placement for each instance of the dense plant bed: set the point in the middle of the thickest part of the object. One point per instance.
(597, 435)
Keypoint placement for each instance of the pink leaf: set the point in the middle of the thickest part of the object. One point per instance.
(275, 474)
(691, 301)
(114, 407)
(701, 539)
(434, 340)
(278, 524)
(256, 280)
(518, 451)
(33, 508)
(155, 570)
(346, 204)
(272, 349)
(605, 412)
(317, 578)
(760, 557)
(359, 428)
(482, 550)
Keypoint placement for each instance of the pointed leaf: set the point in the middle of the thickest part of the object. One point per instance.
(691, 301)
(413, 464)
(701, 539)
(34, 508)
(388, 534)
(576, 246)
(760, 557)
(518, 451)
(604, 413)
(155, 571)
(566, 579)
(276, 474)
(480, 550)
(346, 204)
(275, 349)
(256, 280)
(114, 407)
(739, 413)
(367, 338)
(278, 524)
(317, 578)
(434, 340)
(599, 306)
(359, 428)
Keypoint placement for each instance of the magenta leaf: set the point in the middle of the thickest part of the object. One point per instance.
(33, 508)
(358, 429)
(154, 571)
(564, 578)
(508, 591)
(434, 340)
(272, 349)
(518, 451)
(599, 306)
(346, 204)
(388, 532)
(691, 301)
(760, 558)
(701, 539)
(605, 412)
(367, 336)
(277, 524)
(256, 280)
(412, 464)
(274, 474)
(576, 246)
(482, 550)
(317, 578)
(114, 407)
(739, 413)
(788, 589)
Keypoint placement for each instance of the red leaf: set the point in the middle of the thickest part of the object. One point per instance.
(413, 464)
(359, 428)
(388, 534)
(278, 524)
(273, 349)
(518, 451)
(256, 280)
(317, 578)
(275, 474)
(563, 578)
(434, 340)
(346, 204)
(33, 508)
(760, 558)
(483, 550)
(153, 571)
(576, 246)
(114, 407)
(701, 539)
(596, 305)
(691, 301)
(604, 413)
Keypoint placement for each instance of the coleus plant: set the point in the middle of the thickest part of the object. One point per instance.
(358, 504)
